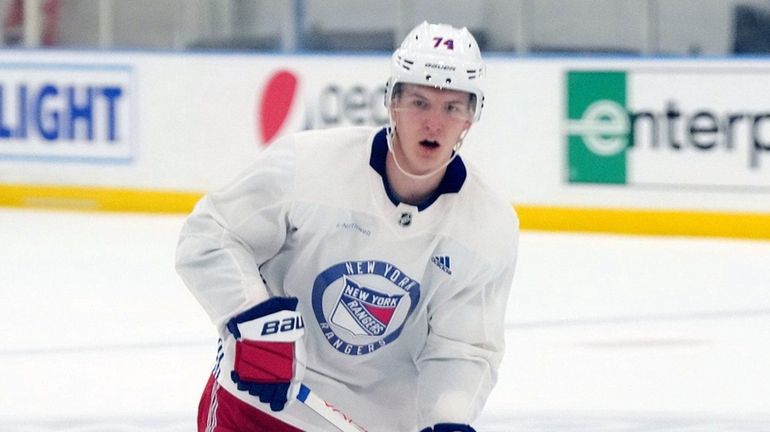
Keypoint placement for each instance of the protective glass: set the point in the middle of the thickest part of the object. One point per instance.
(418, 105)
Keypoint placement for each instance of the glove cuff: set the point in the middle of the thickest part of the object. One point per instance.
(267, 307)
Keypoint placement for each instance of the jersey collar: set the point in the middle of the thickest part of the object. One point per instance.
(452, 182)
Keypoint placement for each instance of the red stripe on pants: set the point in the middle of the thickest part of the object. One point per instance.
(219, 411)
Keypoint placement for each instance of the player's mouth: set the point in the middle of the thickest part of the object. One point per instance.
(429, 144)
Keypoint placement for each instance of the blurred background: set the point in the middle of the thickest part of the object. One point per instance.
(629, 27)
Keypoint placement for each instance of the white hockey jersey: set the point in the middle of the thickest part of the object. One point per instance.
(403, 305)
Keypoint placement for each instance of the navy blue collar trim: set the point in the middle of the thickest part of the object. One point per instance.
(453, 180)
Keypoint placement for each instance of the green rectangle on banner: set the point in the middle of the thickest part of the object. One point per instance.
(598, 131)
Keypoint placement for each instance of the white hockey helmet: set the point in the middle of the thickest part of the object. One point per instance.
(440, 56)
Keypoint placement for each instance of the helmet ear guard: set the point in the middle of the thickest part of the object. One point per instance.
(439, 56)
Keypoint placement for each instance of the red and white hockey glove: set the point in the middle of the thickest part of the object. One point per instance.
(449, 427)
(269, 351)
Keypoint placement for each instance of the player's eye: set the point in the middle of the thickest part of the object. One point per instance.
(457, 110)
(419, 103)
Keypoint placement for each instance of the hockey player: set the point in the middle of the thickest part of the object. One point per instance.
(371, 264)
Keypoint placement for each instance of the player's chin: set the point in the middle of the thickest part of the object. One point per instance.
(428, 162)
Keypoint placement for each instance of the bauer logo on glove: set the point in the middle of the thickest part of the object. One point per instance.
(269, 351)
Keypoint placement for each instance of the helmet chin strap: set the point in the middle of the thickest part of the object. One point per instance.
(390, 138)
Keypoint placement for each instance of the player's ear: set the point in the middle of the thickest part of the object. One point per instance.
(392, 112)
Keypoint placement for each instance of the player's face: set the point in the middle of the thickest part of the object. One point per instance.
(429, 122)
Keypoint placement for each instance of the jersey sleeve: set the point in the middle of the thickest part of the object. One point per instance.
(231, 232)
(458, 366)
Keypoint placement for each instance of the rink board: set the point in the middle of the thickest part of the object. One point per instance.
(666, 146)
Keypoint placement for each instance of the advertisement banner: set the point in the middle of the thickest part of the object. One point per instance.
(66, 111)
(677, 128)
(572, 143)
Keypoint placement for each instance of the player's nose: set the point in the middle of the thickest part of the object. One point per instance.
(433, 122)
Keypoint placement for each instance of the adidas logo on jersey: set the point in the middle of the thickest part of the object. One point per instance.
(442, 262)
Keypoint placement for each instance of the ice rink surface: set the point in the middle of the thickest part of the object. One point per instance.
(604, 332)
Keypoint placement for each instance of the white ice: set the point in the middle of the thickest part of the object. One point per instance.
(604, 332)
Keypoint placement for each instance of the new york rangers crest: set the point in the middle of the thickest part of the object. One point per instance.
(361, 306)
(364, 311)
